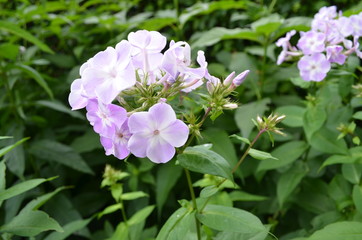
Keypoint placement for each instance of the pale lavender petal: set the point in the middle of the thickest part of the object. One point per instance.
(139, 122)
(123, 50)
(77, 98)
(160, 151)
(105, 59)
(107, 145)
(138, 144)
(162, 116)
(157, 43)
(176, 134)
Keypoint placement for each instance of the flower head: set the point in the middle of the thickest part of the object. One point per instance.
(156, 133)
(314, 67)
(312, 42)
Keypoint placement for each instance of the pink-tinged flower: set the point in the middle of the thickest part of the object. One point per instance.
(334, 54)
(108, 73)
(356, 21)
(176, 63)
(156, 133)
(77, 98)
(105, 117)
(117, 144)
(312, 42)
(314, 67)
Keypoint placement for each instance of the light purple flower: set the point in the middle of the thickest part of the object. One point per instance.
(334, 54)
(156, 133)
(105, 117)
(314, 67)
(356, 21)
(345, 26)
(108, 73)
(117, 144)
(285, 44)
(312, 42)
(77, 98)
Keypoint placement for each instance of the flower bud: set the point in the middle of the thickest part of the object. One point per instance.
(239, 79)
(230, 106)
(229, 79)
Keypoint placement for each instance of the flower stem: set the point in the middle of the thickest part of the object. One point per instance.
(189, 182)
(124, 214)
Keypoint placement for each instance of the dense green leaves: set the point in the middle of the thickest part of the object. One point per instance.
(202, 160)
(339, 230)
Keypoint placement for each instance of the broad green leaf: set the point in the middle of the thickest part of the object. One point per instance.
(338, 231)
(87, 142)
(313, 119)
(244, 196)
(223, 218)
(241, 139)
(9, 50)
(54, 151)
(202, 160)
(185, 228)
(217, 34)
(357, 197)
(325, 140)
(155, 24)
(31, 72)
(208, 191)
(322, 220)
(172, 223)
(336, 159)
(121, 232)
(242, 236)
(15, 159)
(69, 229)
(294, 23)
(260, 155)
(340, 190)
(58, 106)
(141, 215)
(358, 115)
(20, 188)
(245, 113)
(167, 176)
(289, 181)
(286, 153)
(7, 149)
(267, 25)
(207, 8)
(14, 29)
(294, 115)
(133, 195)
(299, 82)
(352, 172)
(30, 224)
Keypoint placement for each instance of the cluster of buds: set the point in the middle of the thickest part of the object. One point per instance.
(125, 91)
(332, 39)
(269, 124)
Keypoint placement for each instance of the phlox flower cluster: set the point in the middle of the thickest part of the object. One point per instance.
(332, 39)
(139, 69)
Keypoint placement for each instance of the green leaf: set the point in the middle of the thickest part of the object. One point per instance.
(9, 50)
(357, 197)
(230, 219)
(31, 72)
(294, 115)
(58, 106)
(133, 195)
(110, 209)
(5, 137)
(241, 139)
(340, 230)
(325, 140)
(2, 176)
(299, 82)
(69, 229)
(352, 172)
(246, 112)
(15, 159)
(289, 181)
(313, 119)
(167, 176)
(202, 160)
(358, 115)
(87, 142)
(121, 232)
(208, 191)
(286, 153)
(7, 149)
(244, 196)
(54, 151)
(173, 224)
(14, 29)
(141, 215)
(30, 224)
(20, 188)
(336, 159)
(260, 155)
(155, 24)
(267, 25)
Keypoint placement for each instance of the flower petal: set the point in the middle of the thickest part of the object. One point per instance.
(176, 134)
(160, 151)
(137, 144)
(162, 116)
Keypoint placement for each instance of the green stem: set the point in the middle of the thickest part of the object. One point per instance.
(189, 182)
(124, 214)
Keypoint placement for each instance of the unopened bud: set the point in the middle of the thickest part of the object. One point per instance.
(229, 79)
(239, 79)
(210, 87)
(230, 106)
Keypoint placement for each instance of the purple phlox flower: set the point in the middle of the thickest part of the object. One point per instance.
(356, 21)
(156, 133)
(353, 47)
(322, 19)
(285, 44)
(108, 73)
(312, 42)
(334, 54)
(314, 67)
(356, 46)
(193, 76)
(146, 51)
(105, 117)
(77, 98)
(117, 144)
(345, 26)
